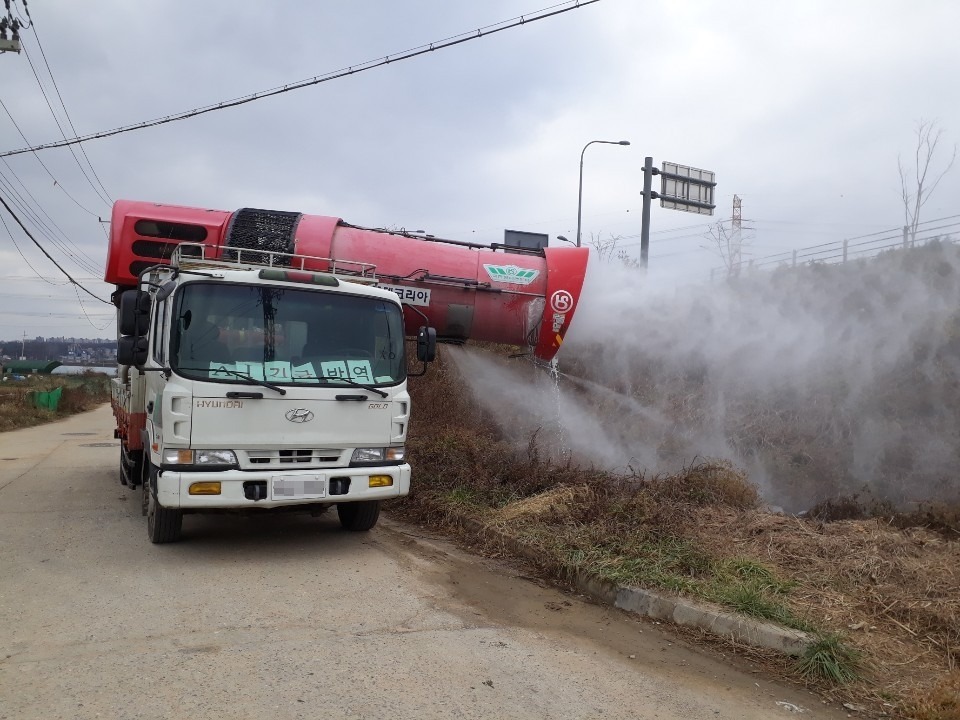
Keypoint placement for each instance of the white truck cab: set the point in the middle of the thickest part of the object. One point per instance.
(248, 384)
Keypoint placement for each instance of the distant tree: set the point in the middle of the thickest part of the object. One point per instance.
(918, 180)
(603, 248)
(727, 243)
(606, 250)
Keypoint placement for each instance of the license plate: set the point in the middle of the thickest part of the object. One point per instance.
(301, 487)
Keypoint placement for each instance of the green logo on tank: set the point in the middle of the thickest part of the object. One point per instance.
(511, 274)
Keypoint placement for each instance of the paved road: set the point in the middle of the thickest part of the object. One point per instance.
(289, 617)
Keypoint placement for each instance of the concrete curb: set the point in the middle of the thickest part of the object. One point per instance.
(661, 606)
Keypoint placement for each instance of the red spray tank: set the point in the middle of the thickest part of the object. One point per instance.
(496, 293)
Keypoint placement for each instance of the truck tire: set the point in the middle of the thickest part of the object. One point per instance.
(163, 524)
(359, 516)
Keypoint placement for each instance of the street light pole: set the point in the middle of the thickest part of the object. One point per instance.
(580, 194)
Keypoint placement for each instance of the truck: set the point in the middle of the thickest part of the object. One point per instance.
(256, 374)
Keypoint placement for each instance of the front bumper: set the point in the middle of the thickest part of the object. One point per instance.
(173, 487)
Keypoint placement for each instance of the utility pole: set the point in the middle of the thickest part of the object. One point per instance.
(648, 172)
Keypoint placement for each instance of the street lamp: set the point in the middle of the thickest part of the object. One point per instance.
(580, 196)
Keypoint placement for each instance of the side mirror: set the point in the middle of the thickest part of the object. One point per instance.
(134, 313)
(426, 344)
(132, 350)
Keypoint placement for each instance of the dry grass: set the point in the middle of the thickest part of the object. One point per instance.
(884, 587)
(80, 393)
(556, 503)
(943, 702)
(894, 593)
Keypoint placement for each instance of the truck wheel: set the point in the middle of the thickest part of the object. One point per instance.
(163, 524)
(359, 516)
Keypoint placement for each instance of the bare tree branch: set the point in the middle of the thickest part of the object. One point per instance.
(728, 244)
(916, 193)
(607, 250)
(604, 248)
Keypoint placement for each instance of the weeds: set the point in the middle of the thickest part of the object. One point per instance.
(463, 496)
(670, 563)
(754, 601)
(753, 572)
(716, 483)
(830, 658)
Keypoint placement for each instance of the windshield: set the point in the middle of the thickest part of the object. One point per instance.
(285, 336)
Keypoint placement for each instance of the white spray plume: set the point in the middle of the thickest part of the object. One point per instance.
(819, 380)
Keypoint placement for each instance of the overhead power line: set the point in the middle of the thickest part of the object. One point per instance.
(56, 182)
(30, 216)
(20, 252)
(543, 14)
(63, 134)
(66, 113)
(33, 239)
(27, 23)
(89, 316)
(49, 227)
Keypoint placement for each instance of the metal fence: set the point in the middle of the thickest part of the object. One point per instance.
(861, 246)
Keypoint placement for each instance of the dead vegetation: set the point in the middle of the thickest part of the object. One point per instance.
(881, 590)
(79, 393)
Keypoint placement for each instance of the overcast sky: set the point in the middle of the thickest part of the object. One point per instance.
(801, 109)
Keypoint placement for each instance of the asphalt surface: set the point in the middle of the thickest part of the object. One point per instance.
(291, 617)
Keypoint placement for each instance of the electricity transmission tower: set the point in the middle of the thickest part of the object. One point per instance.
(736, 233)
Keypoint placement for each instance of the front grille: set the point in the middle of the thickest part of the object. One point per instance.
(296, 456)
(307, 457)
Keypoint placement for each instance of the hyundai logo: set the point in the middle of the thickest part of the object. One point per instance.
(300, 415)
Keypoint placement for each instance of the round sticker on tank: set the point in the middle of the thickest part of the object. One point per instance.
(561, 301)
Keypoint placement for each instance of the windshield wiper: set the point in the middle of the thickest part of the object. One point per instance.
(242, 376)
(354, 383)
(254, 380)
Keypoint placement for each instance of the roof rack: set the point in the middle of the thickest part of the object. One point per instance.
(194, 255)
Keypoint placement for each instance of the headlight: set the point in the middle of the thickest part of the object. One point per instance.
(378, 455)
(215, 457)
(218, 459)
